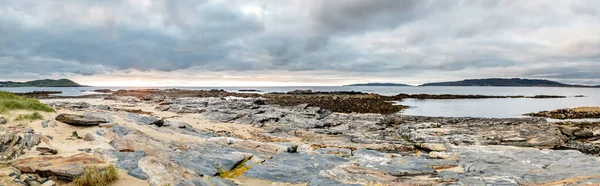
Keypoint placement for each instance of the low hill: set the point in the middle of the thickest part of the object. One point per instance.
(504, 82)
(380, 84)
(41, 83)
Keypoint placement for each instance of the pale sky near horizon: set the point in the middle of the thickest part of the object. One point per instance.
(298, 42)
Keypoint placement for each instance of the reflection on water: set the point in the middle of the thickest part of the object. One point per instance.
(510, 107)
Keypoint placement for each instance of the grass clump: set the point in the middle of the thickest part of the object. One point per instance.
(238, 170)
(10, 101)
(30, 117)
(94, 177)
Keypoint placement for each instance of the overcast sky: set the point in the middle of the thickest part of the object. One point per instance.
(298, 42)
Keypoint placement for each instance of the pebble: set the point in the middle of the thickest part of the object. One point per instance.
(49, 183)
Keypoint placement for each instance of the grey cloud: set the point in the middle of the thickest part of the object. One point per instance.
(374, 38)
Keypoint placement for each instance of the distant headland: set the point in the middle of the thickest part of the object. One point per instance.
(42, 83)
(379, 84)
(505, 82)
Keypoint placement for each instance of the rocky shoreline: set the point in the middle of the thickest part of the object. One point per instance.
(173, 137)
(569, 113)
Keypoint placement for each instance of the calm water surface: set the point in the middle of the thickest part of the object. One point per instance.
(509, 107)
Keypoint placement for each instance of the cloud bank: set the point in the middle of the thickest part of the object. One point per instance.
(299, 41)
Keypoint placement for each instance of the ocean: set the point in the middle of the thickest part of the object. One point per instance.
(497, 108)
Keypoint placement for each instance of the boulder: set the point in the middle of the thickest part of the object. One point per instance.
(129, 161)
(141, 119)
(80, 120)
(64, 168)
(14, 145)
(2, 121)
(89, 137)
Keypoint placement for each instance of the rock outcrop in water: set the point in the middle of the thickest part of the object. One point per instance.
(569, 113)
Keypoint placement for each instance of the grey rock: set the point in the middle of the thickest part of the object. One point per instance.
(523, 166)
(80, 120)
(2, 121)
(129, 161)
(206, 158)
(45, 123)
(138, 173)
(141, 119)
(89, 137)
(448, 176)
(120, 131)
(294, 167)
(100, 132)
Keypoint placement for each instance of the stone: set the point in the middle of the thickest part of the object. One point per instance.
(46, 150)
(119, 131)
(49, 183)
(125, 144)
(2, 121)
(89, 137)
(141, 119)
(45, 123)
(64, 168)
(100, 132)
(129, 161)
(292, 149)
(32, 183)
(13, 145)
(432, 146)
(80, 120)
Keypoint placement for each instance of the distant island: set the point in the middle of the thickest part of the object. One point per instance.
(380, 84)
(505, 82)
(41, 83)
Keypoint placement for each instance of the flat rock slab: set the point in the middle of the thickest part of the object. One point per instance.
(294, 167)
(141, 119)
(64, 168)
(524, 166)
(80, 120)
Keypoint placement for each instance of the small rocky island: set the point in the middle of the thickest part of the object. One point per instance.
(191, 137)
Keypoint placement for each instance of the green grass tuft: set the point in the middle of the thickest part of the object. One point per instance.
(94, 177)
(30, 117)
(10, 101)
